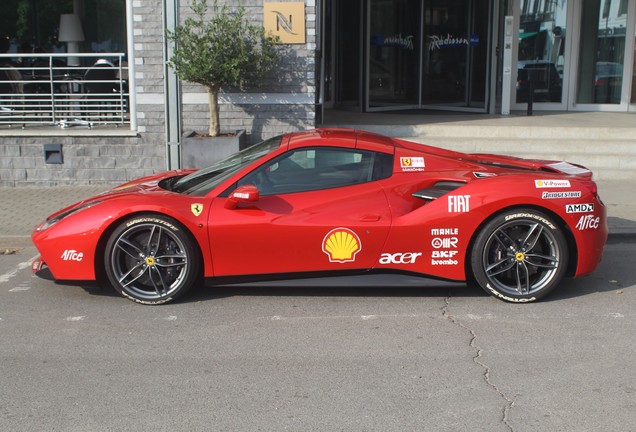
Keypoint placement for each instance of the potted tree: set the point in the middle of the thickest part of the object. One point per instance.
(223, 51)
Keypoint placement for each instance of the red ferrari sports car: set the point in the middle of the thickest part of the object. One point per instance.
(335, 202)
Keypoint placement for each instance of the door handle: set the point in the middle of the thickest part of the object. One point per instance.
(370, 218)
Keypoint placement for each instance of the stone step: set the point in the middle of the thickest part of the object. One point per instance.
(608, 159)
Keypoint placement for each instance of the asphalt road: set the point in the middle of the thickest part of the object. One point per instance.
(319, 358)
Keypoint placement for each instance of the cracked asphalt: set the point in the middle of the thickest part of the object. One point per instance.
(360, 354)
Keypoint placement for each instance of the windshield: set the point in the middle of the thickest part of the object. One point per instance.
(201, 182)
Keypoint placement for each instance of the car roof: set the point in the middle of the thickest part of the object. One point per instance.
(341, 137)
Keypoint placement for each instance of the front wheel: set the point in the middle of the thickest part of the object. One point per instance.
(519, 256)
(151, 259)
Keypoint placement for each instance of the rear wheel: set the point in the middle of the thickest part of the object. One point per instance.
(519, 256)
(151, 259)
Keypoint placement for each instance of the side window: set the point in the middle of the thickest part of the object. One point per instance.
(314, 169)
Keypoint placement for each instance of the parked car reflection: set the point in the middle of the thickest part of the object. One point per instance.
(546, 81)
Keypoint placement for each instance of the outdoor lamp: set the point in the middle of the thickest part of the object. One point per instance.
(71, 32)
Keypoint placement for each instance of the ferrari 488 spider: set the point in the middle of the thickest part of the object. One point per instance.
(335, 202)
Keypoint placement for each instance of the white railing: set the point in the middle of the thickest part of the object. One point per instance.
(41, 90)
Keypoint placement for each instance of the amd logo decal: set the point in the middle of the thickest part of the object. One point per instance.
(72, 255)
(579, 208)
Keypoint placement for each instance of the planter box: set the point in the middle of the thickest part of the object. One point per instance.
(199, 152)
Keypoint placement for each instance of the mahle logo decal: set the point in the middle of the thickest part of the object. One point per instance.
(341, 245)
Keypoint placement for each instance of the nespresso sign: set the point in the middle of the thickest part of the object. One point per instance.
(285, 20)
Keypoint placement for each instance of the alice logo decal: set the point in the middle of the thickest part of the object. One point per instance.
(197, 209)
(341, 245)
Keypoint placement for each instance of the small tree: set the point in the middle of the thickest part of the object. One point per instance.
(223, 51)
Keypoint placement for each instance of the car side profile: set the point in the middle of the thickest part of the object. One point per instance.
(332, 202)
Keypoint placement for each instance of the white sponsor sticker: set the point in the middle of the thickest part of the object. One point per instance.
(412, 163)
(579, 208)
(540, 184)
(561, 195)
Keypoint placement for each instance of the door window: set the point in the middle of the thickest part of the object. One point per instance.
(394, 53)
(318, 168)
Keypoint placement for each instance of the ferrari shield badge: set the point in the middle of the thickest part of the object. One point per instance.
(197, 209)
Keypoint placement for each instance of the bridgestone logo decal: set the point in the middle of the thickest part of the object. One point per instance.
(558, 195)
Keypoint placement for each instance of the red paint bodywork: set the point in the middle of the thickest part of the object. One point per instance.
(281, 234)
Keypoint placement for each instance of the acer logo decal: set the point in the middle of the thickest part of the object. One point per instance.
(72, 255)
(399, 258)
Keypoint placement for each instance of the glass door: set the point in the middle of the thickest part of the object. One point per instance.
(602, 52)
(393, 54)
(456, 53)
(542, 54)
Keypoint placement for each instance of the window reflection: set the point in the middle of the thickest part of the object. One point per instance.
(601, 57)
(542, 34)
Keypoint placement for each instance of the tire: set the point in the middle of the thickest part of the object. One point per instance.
(519, 256)
(151, 259)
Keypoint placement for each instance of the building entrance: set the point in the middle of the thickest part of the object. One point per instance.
(403, 54)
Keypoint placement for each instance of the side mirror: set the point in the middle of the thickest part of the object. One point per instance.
(242, 194)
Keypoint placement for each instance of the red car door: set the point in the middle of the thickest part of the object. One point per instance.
(290, 229)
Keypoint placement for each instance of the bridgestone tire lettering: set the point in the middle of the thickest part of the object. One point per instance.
(519, 256)
(151, 259)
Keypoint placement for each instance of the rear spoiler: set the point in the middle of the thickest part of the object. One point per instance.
(500, 161)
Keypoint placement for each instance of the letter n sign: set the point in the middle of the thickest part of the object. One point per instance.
(285, 20)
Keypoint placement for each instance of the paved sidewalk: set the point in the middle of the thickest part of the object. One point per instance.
(22, 208)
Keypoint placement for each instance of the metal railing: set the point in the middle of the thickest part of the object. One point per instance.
(42, 90)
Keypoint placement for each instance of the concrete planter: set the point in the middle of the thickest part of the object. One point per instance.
(199, 152)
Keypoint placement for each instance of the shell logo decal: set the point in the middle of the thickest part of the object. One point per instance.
(341, 245)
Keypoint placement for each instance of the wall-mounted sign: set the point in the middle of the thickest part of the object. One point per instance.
(285, 20)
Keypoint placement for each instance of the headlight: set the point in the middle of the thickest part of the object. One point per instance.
(52, 221)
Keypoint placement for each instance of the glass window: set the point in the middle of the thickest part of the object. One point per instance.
(541, 52)
(602, 54)
(317, 168)
(34, 26)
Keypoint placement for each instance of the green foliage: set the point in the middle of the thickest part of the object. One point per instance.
(226, 50)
